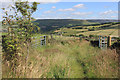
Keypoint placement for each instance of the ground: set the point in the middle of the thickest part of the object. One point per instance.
(65, 57)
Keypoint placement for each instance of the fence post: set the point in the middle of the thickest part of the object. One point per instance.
(41, 41)
(109, 41)
(100, 41)
(105, 41)
(46, 39)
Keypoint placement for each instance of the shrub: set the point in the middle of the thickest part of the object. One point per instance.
(9, 47)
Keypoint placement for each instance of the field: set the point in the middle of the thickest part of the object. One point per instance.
(49, 25)
(90, 30)
(113, 32)
(65, 57)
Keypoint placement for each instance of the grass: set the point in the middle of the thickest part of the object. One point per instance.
(106, 31)
(113, 32)
(66, 58)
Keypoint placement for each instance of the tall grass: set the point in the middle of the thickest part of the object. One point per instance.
(66, 58)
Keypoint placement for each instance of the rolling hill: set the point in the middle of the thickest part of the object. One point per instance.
(48, 25)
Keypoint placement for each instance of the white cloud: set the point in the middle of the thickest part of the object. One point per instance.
(6, 4)
(82, 13)
(69, 9)
(53, 7)
(79, 6)
(47, 12)
(114, 16)
(108, 12)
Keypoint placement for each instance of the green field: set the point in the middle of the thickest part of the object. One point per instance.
(98, 30)
(113, 32)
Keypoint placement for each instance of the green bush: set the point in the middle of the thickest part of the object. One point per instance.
(9, 47)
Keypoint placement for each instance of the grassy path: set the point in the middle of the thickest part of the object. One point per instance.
(66, 58)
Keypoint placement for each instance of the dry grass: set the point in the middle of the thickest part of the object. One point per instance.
(65, 59)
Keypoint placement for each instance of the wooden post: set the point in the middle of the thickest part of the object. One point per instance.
(100, 41)
(9, 31)
(109, 41)
(46, 40)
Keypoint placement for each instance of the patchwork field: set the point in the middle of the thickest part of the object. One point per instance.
(113, 32)
(90, 30)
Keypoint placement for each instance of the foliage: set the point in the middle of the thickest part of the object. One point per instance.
(10, 47)
(19, 26)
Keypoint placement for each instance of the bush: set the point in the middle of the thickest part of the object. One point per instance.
(9, 47)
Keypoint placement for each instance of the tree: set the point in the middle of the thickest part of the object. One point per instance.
(20, 27)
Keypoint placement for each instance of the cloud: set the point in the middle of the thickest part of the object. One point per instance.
(114, 16)
(69, 9)
(108, 12)
(53, 7)
(82, 13)
(79, 6)
(6, 4)
(47, 12)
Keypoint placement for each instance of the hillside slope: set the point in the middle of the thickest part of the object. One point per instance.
(47, 25)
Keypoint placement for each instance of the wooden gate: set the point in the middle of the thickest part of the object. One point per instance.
(39, 41)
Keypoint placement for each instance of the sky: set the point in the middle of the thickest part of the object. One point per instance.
(64, 0)
(77, 10)
(74, 10)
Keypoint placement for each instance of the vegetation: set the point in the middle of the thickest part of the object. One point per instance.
(66, 58)
(101, 29)
(48, 25)
(20, 28)
(66, 55)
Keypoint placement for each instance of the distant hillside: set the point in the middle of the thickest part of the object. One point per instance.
(48, 25)
(102, 20)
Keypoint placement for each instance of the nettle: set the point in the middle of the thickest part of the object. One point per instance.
(20, 27)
